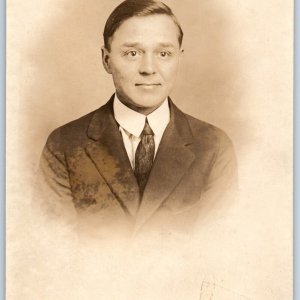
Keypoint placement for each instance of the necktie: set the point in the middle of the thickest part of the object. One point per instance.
(144, 156)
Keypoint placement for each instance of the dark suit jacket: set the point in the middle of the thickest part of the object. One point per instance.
(85, 172)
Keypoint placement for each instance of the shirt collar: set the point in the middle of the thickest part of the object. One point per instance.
(134, 122)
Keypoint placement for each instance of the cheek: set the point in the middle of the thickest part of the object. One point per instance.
(123, 81)
(169, 72)
(123, 74)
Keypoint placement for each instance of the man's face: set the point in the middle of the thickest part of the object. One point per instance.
(143, 60)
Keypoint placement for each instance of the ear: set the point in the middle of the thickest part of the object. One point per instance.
(181, 54)
(106, 59)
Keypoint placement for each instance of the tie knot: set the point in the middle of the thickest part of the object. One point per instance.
(147, 129)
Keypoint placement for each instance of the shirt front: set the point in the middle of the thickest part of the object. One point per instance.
(131, 125)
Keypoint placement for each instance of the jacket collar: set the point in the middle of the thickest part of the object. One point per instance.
(172, 161)
(109, 156)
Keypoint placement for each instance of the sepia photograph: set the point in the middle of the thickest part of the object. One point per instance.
(149, 150)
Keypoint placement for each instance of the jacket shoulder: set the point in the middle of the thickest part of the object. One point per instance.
(207, 132)
(71, 133)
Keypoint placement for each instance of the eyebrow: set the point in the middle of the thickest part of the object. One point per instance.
(165, 45)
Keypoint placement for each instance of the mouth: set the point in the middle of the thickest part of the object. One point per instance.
(147, 84)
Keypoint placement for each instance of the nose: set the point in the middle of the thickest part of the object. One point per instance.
(147, 66)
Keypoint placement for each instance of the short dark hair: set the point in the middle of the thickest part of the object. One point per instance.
(136, 8)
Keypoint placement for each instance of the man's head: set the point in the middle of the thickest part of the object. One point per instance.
(142, 48)
(133, 8)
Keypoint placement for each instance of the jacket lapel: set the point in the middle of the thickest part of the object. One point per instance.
(172, 161)
(109, 156)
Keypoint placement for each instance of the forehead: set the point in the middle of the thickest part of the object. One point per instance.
(147, 30)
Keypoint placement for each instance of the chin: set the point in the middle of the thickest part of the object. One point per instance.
(149, 102)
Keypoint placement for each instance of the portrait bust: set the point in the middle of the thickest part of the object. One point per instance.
(138, 162)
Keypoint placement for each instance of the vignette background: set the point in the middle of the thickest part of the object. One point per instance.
(236, 74)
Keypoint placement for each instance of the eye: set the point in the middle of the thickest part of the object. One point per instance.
(164, 54)
(132, 53)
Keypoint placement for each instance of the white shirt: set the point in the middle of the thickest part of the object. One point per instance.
(132, 124)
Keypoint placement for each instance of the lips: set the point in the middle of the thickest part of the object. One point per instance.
(147, 84)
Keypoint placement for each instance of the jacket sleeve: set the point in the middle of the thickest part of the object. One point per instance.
(52, 194)
(223, 175)
(221, 187)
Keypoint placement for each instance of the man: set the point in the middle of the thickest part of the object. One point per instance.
(138, 161)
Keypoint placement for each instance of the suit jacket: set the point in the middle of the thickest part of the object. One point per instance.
(85, 174)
